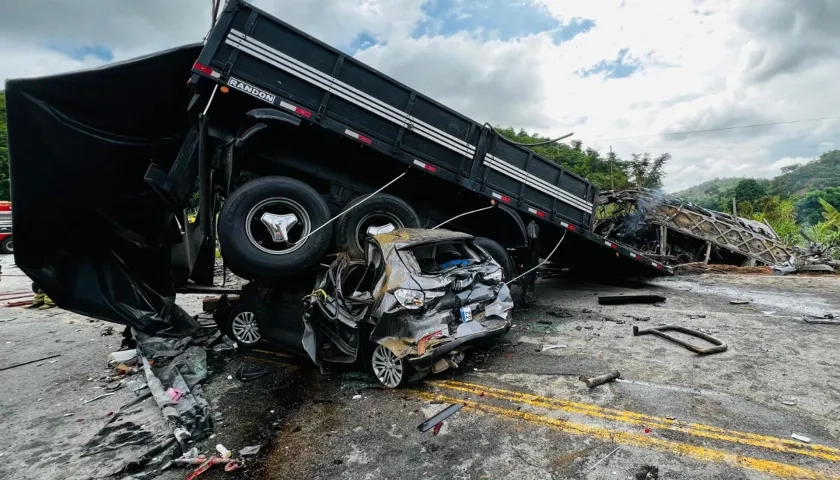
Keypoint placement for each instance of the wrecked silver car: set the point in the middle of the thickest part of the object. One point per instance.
(410, 308)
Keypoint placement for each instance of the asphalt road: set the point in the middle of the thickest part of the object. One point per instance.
(526, 414)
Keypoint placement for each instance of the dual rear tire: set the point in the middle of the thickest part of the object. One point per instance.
(269, 227)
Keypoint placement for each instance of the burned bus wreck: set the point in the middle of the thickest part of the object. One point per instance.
(675, 231)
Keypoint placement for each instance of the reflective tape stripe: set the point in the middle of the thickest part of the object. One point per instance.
(359, 98)
(357, 136)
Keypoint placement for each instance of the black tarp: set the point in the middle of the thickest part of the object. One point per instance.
(88, 229)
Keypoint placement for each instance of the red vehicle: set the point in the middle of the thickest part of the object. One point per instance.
(6, 228)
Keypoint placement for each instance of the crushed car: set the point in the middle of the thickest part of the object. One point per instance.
(412, 306)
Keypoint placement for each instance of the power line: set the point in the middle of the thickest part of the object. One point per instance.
(714, 129)
(727, 147)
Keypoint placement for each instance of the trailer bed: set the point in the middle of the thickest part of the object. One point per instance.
(259, 55)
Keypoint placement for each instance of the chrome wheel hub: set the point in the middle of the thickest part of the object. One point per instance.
(387, 367)
(245, 329)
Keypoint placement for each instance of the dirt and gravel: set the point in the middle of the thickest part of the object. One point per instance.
(526, 415)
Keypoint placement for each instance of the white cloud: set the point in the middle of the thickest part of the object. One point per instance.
(704, 64)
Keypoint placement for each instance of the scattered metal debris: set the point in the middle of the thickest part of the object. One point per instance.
(439, 417)
(611, 319)
(601, 460)
(248, 374)
(739, 302)
(626, 299)
(552, 347)
(695, 316)
(99, 396)
(719, 346)
(637, 318)
(799, 437)
(826, 319)
(15, 365)
(599, 380)
(788, 403)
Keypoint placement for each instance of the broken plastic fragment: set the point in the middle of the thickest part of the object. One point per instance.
(801, 438)
(224, 452)
(250, 450)
(551, 347)
(437, 428)
(357, 397)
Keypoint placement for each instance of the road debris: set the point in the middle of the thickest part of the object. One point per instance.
(628, 299)
(126, 357)
(559, 313)
(637, 318)
(437, 419)
(251, 450)
(99, 396)
(611, 319)
(552, 347)
(248, 374)
(788, 403)
(817, 320)
(224, 452)
(545, 322)
(696, 316)
(357, 397)
(599, 380)
(106, 330)
(719, 346)
(602, 460)
(739, 302)
(15, 365)
(799, 437)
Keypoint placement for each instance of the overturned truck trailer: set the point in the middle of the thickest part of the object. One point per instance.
(676, 231)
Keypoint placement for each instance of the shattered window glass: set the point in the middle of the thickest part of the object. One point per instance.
(438, 257)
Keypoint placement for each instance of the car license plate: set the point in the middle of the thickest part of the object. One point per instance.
(466, 314)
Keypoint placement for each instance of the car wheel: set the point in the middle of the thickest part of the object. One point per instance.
(263, 224)
(6, 246)
(242, 327)
(499, 254)
(373, 216)
(388, 369)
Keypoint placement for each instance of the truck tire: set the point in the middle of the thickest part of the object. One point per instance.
(7, 247)
(380, 210)
(498, 253)
(253, 244)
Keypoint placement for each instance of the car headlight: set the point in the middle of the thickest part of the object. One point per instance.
(414, 299)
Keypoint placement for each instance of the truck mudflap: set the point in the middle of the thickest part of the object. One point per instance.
(88, 229)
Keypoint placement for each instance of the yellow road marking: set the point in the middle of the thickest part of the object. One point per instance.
(699, 430)
(643, 441)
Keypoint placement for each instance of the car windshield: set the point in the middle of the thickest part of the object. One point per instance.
(437, 257)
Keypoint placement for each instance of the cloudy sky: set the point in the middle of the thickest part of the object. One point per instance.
(617, 73)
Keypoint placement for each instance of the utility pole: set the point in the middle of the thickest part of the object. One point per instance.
(612, 179)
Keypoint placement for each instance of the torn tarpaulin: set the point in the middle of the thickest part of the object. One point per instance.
(180, 365)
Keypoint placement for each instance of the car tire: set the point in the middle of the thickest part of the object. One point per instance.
(240, 325)
(499, 254)
(378, 210)
(7, 247)
(248, 246)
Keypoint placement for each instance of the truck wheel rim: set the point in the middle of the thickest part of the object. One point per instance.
(10, 246)
(245, 329)
(387, 367)
(374, 219)
(261, 235)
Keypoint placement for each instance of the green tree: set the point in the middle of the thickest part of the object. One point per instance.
(5, 191)
(749, 190)
(809, 209)
(647, 172)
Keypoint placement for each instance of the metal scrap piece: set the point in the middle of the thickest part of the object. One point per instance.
(439, 417)
(719, 346)
(600, 379)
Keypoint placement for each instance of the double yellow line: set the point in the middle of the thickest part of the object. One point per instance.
(775, 444)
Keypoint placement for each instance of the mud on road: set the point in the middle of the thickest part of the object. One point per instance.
(526, 414)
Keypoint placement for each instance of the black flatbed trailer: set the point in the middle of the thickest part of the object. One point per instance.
(249, 52)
